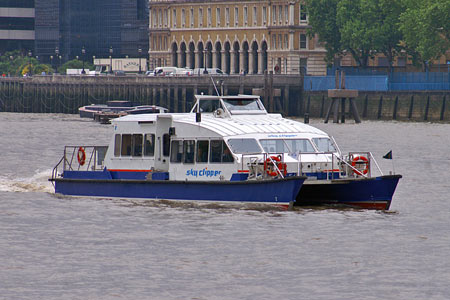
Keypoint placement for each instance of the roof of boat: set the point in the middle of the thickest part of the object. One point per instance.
(228, 126)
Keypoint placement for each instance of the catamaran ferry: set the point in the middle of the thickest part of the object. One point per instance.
(228, 148)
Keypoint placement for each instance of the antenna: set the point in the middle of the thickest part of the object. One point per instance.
(215, 87)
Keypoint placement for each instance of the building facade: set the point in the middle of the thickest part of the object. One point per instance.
(116, 28)
(235, 36)
(17, 25)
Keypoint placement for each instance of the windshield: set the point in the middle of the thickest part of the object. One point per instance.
(242, 104)
(287, 146)
(244, 146)
(209, 105)
(324, 145)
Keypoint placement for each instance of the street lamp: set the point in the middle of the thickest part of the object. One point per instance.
(51, 62)
(110, 59)
(140, 53)
(204, 62)
(57, 56)
(29, 62)
(83, 51)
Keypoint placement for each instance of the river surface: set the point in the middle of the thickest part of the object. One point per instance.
(58, 247)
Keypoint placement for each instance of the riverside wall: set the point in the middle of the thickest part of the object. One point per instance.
(280, 93)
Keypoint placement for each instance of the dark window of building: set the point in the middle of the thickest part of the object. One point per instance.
(302, 41)
(17, 3)
(16, 23)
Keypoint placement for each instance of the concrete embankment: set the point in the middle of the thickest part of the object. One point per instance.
(429, 106)
(280, 93)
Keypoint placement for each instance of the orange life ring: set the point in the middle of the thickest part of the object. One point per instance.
(365, 161)
(81, 156)
(280, 165)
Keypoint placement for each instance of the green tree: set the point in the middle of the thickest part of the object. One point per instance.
(387, 34)
(75, 64)
(362, 28)
(322, 19)
(425, 25)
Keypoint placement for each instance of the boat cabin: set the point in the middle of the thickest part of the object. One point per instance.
(222, 138)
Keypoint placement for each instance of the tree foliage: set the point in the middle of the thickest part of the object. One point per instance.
(322, 18)
(365, 28)
(16, 63)
(425, 25)
(74, 64)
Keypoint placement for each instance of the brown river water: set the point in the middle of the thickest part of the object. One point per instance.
(58, 247)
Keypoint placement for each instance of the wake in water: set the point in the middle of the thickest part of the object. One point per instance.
(36, 183)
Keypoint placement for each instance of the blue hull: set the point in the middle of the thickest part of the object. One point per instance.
(371, 193)
(279, 191)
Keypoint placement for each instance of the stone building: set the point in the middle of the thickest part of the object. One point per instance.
(235, 36)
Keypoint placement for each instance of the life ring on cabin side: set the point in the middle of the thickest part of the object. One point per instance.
(280, 165)
(81, 156)
(359, 160)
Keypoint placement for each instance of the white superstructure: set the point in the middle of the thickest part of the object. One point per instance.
(220, 139)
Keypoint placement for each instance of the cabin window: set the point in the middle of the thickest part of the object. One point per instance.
(202, 151)
(177, 151)
(287, 146)
(300, 145)
(126, 145)
(166, 144)
(324, 145)
(244, 146)
(117, 140)
(240, 104)
(219, 152)
(149, 145)
(189, 149)
(209, 105)
(137, 145)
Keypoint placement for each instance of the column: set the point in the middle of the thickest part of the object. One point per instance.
(214, 59)
(179, 58)
(260, 62)
(175, 99)
(251, 58)
(241, 60)
(232, 61)
(224, 61)
(183, 99)
(197, 60)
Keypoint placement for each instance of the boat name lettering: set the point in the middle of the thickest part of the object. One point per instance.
(204, 172)
(282, 135)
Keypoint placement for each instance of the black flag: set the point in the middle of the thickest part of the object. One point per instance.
(388, 155)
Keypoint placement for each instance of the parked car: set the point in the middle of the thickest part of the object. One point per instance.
(150, 73)
(119, 73)
(209, 71)
(172, 71)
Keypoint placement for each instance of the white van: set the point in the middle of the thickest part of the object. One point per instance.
(211, 71)
(172, 71)
(165, 71)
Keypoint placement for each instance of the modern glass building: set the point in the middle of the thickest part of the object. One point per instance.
(64, 28)
(16, 25)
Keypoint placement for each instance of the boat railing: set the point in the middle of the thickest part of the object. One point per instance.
(346, 165)
(257, 164)
(81, 158)
(355, 164)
